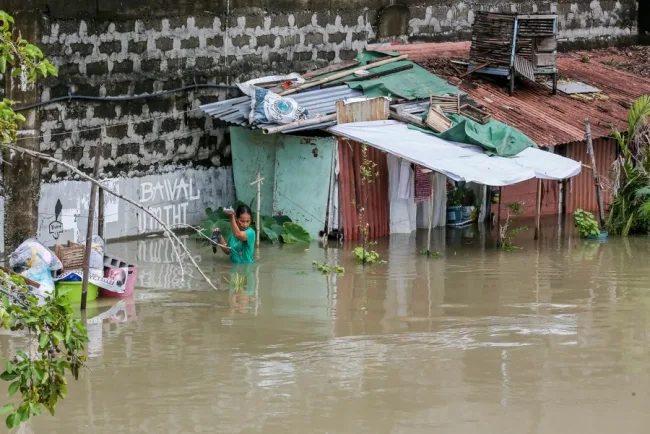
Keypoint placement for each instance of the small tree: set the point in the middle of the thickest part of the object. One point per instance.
(368, 174)
(56, 339)
(508, 235)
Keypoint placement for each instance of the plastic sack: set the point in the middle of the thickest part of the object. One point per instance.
(97, 255)
(41, 274)
(270, 108)
(31, 254)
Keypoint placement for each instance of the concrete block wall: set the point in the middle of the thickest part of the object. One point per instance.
(132, 49)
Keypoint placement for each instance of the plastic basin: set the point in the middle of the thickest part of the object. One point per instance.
(75, 291)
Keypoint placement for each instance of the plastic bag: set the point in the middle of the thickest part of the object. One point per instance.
(97, 255)
(31, 254)
(41, 274)
(270, 108)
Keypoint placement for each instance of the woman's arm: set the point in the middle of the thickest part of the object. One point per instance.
(238, 233)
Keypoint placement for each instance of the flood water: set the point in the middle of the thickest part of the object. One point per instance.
(550, 339)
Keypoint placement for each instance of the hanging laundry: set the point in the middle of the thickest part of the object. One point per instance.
(405, 189)
(422, 184)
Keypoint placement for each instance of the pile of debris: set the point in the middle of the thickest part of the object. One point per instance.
(634, 59)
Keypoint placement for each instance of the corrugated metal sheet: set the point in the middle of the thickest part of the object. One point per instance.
(317, 102)
(526, 194)
(580, 190)
(373, 197)
(550, 119)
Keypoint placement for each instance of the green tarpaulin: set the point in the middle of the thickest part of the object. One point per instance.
(414, 83)
(495, 137)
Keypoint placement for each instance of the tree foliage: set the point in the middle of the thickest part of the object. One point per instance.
(630, 208)
(22, 60)
(55, 348)
(55, 339)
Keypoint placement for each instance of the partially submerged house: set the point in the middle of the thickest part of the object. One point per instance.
(591, 85)
(311, 167)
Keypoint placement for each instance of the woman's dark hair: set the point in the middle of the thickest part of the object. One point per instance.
(243, 209)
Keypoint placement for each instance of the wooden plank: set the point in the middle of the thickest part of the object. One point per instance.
(330, 69)
(376, 109)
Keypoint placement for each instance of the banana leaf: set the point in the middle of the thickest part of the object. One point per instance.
(281, 219)
(295, 234)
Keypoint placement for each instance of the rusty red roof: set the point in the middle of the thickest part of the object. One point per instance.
(547, 119)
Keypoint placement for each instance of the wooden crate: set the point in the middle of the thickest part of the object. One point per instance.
(71, 255)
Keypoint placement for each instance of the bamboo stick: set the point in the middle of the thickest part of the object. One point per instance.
(298, 124)
(342, 74)
(89, 229)
(594, 171)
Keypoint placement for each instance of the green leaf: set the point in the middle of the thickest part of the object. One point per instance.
(23, 412)
(295, 234)
(9, 421)
(36, 409)
(13, 388)
(63, 291)
(278, 229)
(8, 376)
(6, 408)
(281, 219)
(9, 367)
(268, 234)
(3, 64)
(58, 335)
(43, 340)
(16, 72)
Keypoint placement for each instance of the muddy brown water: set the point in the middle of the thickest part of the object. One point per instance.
(550, 339)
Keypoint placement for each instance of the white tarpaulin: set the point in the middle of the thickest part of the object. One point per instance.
(459, 162)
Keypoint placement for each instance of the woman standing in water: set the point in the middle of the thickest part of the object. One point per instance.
(241, 241)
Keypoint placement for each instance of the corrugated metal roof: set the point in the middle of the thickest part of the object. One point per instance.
(550, 119)
(317, 102)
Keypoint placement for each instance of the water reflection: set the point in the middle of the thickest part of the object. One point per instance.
(547, 339)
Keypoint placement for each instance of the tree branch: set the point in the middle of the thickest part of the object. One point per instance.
(168, 230)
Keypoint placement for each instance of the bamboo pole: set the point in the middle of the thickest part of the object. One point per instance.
(538, 208)
(89, 229)
(594, 171)
(100, 214)
(259, 195)
(342, 74)
(430, 221)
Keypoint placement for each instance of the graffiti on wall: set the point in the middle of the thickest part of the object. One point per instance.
(168, 200)
(56, 227)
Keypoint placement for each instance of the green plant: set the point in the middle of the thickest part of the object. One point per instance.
(630, 175)
(506, 234)
(56, 337)
(586, 223)
(585, 59)
(23, 61)
(367, 256)
(327, 269)
(56, 342)
(613, 63)
(274, 229)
